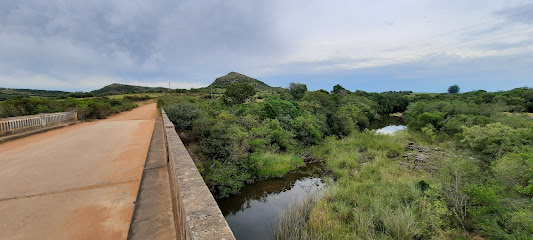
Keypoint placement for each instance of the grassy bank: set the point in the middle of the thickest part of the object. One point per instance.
(374, 197)
(411, 186)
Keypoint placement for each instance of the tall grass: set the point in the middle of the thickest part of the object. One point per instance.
(272, 165)
(292, 223)
(373, 197)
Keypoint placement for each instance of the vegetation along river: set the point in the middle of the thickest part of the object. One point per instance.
(253, 213)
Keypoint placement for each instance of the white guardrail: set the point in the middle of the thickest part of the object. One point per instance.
(25, 123)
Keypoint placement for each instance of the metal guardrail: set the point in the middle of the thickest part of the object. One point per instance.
(196, 213)
(26, 123)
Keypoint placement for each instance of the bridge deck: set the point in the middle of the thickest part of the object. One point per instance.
(79, 182)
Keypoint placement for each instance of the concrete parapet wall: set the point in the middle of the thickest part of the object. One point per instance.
(26, 123)
(196, 212)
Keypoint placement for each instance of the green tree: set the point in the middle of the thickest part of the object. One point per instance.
(279, 109)
(453, 89)
(338, 89)
(307, 129)
(298, 90)
(240, 91)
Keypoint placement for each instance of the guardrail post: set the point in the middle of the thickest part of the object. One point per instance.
(43, 120)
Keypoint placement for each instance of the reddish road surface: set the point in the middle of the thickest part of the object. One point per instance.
(78, 182)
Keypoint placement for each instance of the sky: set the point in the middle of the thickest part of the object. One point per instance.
(416, 45)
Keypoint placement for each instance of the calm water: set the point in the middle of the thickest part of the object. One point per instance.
(387, 121)
(391, 129)
(253, 213)
(389, 125)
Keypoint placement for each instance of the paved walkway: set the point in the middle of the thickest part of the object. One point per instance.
(78, 182)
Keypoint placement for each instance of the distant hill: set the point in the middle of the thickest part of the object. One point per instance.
(11, 93)
(226, 80)
(117, 88)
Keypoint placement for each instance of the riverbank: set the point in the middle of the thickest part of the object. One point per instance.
(406, 186)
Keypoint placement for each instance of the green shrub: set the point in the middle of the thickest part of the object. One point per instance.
(308, 130)
(282, 110)
(86, 108)
(226, 179)
(496, 139)
(240, 91)
(515, 171)
(183, 114)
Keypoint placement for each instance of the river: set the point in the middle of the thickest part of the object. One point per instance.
(253, 213)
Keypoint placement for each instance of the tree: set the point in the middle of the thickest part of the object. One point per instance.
(338, 89)
(279, 109)
(453, 89)
(240, 91)
(298, 90)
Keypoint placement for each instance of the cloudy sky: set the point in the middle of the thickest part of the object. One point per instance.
(423, 46)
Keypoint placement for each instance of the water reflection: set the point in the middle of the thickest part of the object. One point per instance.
(253, 213)
(391, 129)
(387, 120)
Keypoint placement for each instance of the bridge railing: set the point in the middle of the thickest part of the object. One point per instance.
(196, 213)
(26, 123)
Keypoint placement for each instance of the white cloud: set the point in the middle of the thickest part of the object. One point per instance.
(173, 84)
(33, 81)
(85, 45)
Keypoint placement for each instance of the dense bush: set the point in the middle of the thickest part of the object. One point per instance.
(308, 130)
(514, 171)
(490, 195)
(183, 114)
(90, 108)
(279, 109)
(77, 95)
(497, 139)
(240, 91)
(137, 97)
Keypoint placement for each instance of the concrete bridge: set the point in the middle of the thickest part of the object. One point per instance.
(125, 177)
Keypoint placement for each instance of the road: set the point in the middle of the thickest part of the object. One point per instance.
(78, 182)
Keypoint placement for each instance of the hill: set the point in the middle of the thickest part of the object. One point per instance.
(117, 88)
(12, 93)
(226, 80)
